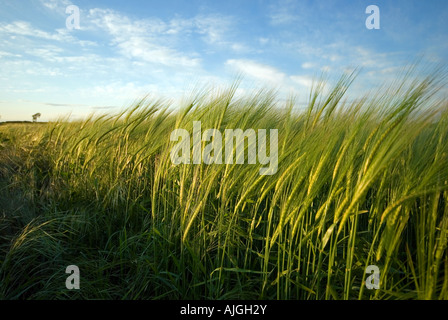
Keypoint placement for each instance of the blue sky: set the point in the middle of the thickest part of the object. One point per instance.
(125, 49)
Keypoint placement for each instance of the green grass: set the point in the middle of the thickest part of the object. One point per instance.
(358, 183)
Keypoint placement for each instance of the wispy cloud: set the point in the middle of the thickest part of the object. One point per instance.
(304, 81)
(26, 29)
(75, 105)
(283, 17)
(125, 91)
(66, 105)
(104, 107)
(9, 54)
(71, 105)
(214, 28)
(140, 39)
(257, 70)
(55, 4)
(308, 65)
(283, 13)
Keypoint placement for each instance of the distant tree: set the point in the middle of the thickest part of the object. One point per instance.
(35, 116)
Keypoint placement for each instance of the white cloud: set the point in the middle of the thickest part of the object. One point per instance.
(283, 17)
(242, 48)
(9, 54)
(155, 41)
(125, 91)
(141, 48)
(308, 65)
(140, 39)
(213, 27)
(304, 81)
(282, 13)
(263, 41)
(81, 62)
(55, 4)
(24, 28)
(179, 26)
(48, 52)
(257, 70)
(215, 30)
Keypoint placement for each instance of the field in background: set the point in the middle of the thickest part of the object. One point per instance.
(358, 184)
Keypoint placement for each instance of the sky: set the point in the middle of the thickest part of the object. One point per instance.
(124, 50)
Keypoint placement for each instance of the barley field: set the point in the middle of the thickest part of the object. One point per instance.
(360, 182)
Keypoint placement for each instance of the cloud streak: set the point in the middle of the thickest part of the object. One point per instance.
(141, 39)
(257, 70)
